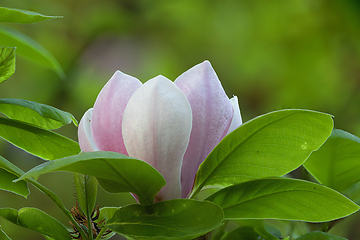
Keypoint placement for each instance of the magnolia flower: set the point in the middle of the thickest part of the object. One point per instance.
(171, 125)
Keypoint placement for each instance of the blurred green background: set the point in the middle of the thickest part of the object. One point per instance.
(272, 54)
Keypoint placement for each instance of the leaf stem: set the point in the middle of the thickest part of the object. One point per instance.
(91, 237)
(56, 199)
(103, 229)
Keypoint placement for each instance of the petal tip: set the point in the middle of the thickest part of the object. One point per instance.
(159, 78)
(118, 74)
(207, 62)
(205, 67)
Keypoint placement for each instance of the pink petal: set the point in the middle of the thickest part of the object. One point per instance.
(86, 140)
(236, 120)
(156, 129)
(212, 115)
(108, 112)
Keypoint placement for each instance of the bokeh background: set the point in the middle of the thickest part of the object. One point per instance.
(272, 54)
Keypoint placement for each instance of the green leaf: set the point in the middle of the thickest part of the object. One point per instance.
(319, 236)
(86, 192)
(337, 163)
(8, 173)
(41, 115)
(243, 233)
(36, 220)
(47, 238)
(218, 233)
(12, 15)
(3, 235)
(270, 145)
(28, 48)
(7, 184)
(7, 62)
(115, 172)
(259, 228)
(107, 213)
(283, 198)
(10, 167)
(37, 141)
(56, 199)
(174, 219)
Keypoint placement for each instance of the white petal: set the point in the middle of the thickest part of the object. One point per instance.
(156, 129)
(86, 140)
(236, 121)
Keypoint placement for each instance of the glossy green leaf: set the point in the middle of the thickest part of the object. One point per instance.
(29, 49)
(3, 235)
(41, 115)
(56, 199)
(7, 62)
(7, 184)
(12, 15)
(319, 236)
(337, 163)
(243, 233)
(174, 219)
(86, 192)
(283, 198)
(107, 213)
(8, 173)
(259, 228)
(218, 233)
(10, 167)
(270, 145)
(353, 192)
(37, 141)
(47, 237)
(36, 220)
(115, 172)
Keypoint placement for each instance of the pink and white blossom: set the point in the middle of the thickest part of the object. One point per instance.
(171, 125)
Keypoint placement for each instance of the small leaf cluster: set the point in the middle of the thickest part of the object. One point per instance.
(12, 39)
